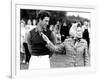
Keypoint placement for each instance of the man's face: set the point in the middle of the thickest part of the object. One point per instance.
(45, 22)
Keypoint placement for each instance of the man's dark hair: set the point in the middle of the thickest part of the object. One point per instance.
(42, 14)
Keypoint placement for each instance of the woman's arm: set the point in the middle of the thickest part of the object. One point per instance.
(55, 48)
(51, 46)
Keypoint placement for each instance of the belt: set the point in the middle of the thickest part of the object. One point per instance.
(40, 56)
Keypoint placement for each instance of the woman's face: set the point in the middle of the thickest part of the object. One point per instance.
(79, 32)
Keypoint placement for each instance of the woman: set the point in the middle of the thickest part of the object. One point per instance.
(75, 47)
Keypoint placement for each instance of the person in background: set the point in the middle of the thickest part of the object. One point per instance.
(64, 31)
(34, 23)
(28, 27)
(51, 27)
(22, 40)
(86, 35)
(56, 33)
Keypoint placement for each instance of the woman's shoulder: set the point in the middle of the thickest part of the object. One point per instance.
(83, 41)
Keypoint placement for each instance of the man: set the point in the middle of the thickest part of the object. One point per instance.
(39, 52)
(86, 35)
(64, 31)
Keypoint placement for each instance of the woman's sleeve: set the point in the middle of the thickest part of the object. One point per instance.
(55, 48)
